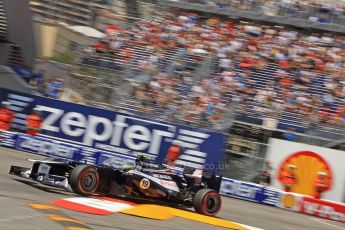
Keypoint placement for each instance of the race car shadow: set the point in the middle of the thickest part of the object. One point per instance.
(184, 210)
(44, 188)
(151, 202)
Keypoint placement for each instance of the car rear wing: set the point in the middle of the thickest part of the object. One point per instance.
(212, 180)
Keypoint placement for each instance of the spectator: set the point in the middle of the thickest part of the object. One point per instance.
(321, 184)
(289, 178)
(265, 176)
(38, 78)
(289, 135)
(173, 153)
(53, 88)
(340, 113)
(34, 122)
(6, 116)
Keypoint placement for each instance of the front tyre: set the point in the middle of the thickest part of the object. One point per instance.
(207, 202)
(84, 180)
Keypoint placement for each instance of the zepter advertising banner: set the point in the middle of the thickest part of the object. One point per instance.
(117, 132)
(308, 170)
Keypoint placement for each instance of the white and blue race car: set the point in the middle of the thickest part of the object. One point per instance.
(147, 181)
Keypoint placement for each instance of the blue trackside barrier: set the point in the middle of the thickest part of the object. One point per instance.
(55, 148)
(249, 191)
(229, 187)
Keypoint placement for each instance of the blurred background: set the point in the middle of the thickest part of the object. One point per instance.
(252, 69)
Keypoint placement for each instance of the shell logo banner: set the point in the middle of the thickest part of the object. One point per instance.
(307, 169)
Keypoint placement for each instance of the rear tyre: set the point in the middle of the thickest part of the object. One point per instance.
(84, 180)
(207, 202)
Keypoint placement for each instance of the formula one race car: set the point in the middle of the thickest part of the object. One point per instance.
(147, 181)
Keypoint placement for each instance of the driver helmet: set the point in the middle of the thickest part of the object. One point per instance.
(127, 167)
(140, 158)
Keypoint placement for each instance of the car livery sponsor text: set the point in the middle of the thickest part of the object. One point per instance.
(162, 176)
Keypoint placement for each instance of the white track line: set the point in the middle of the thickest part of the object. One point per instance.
(320, 221)
(249, 227)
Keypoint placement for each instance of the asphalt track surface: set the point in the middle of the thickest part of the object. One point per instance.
(16, 194)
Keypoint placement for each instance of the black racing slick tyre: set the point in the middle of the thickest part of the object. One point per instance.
(84, 180)
(207, 202)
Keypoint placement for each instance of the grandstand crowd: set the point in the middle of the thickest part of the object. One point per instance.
(316, 11)
(266, 70)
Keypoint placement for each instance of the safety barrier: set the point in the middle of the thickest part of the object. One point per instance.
(286, 200)
(53, 148)
(229, 187)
